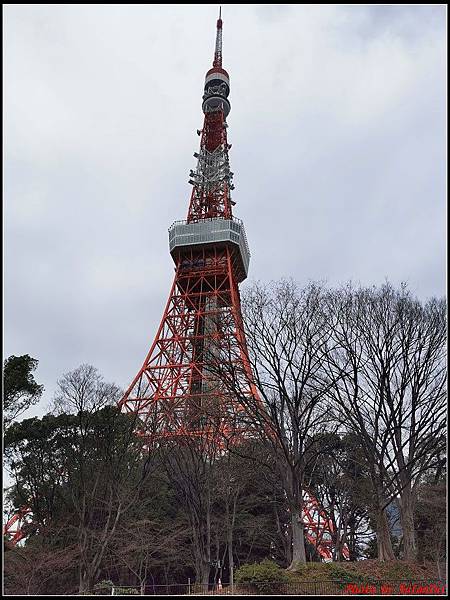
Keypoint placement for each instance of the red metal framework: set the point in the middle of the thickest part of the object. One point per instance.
(15, 528)
(175, 393)
(319, 528)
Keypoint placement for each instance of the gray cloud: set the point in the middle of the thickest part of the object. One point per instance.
(338, 150)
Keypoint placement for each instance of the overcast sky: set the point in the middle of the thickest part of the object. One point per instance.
(338, 130)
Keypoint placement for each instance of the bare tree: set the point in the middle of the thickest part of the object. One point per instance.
(143, 544)
(386, 365)
(417, 400)
(189, 465)
(40, 567)
(286, 333)
(84, 390)
(230, 485)
(339, 483)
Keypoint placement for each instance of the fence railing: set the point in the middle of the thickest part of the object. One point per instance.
(426, 587)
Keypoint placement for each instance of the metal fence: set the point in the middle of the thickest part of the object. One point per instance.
(401, 587)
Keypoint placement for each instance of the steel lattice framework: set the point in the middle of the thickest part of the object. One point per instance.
(15, 528)
(319, 528)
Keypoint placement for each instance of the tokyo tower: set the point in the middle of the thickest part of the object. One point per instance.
(177, 392)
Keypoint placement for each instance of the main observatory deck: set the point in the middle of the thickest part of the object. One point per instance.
(215, 231)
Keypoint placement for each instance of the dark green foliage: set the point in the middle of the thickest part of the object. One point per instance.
(261, 577)
(431, 521)
(52, 456)
(20, 390)
(338, 478)
(338, 573)
(261, 517)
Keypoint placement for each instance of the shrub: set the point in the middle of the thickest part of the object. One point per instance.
(104, 588)
(345, 577)
(266, 576)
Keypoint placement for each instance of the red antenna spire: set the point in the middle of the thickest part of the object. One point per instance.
(212, 180)
(218, 50)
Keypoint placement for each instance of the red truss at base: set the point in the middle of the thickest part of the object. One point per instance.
(15, 528)
(177, 392)
(319, 528)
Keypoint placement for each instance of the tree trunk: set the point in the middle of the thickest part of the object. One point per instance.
(86, 581)
(384, 544)
(230, 524)
(230, 556)
(339, 548)
(201, 540)
(204, 576)
(407, 522)
(83, 586)
(298, 539)
(202, 565)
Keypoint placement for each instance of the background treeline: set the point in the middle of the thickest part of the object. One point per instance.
(351, 387)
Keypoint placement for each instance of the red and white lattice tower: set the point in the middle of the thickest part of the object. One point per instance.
(177, 392)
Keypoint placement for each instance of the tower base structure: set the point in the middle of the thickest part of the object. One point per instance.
(178, 391)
